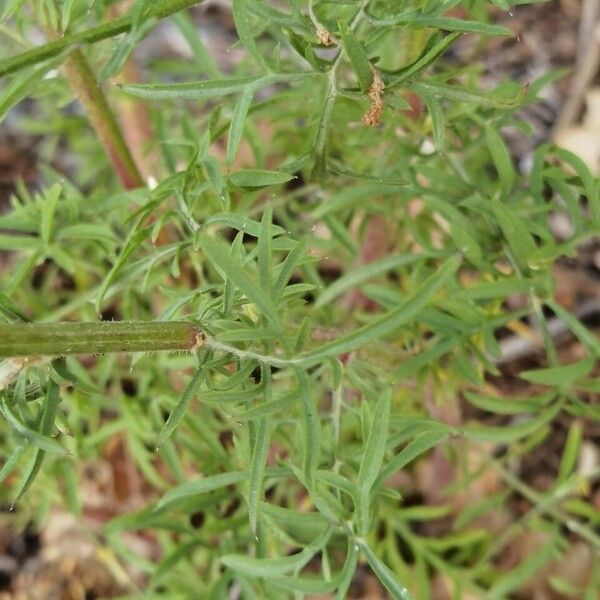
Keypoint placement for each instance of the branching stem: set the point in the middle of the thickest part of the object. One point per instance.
(330, 94)
(273, 361)
(160, 9)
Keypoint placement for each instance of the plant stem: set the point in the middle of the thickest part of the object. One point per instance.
(58, 339)
(83, 82)
(323, 33)
(134, 114)
(161, 9)
(324, 127)
(273, 361)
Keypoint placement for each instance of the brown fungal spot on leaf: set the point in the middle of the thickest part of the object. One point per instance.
(372, 117)
(325, 36)
(198, 341)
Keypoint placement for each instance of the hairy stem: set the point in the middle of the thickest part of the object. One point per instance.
(58, 339)
(320, 148)
(160, 9)
(83, 82)
(134, 114)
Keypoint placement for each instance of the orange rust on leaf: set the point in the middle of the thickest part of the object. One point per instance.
(198, 341)
(372, 118)
(325, 36)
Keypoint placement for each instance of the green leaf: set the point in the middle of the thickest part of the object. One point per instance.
(218, 255)
(589, 182)
(304, 48)
(86, 231)
(358, 59)
(311, 430)
(265, 250)
(384, 573)
(208, 89)
(11, 462)
(141, 23)
(20, 86)
(200, 486)
(437, 121)
(570, 455)
(305, 585)
(372, 459)
(375, 445)
(417, 21)
(430, 56)
(177, 414)
(236, 127)
(49, 409)
(202, 56)
(69, 476)
(18, 242)
(511, 433)
(500, 289)
(353, 195)
(515, 233)
(508, 405)
(274, 567)
(502, 160)
(256, 178)
(241, 223)
(460, 25)
(159, 9)
(62, 375)
(420, 444)
(257, 472)
(28, 476)
(356, 276)
(560, 376)
(585, 336)
(266, 567)
(169, 562)
(69, 8)
(390, 322)
(425, 513)
(11, 7)
(348, 571)
(38, 439)
(302, 525)
(426, 358)
(460, 94)
(10, 310)
(286, 269)
(134, 240)
(513, 580)
(246, 31)
(314, 586)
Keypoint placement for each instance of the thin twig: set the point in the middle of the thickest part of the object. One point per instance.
(547, 504)
(588, 62)
(323, 33)
(83, 82)
(273, 361)
(516, 347)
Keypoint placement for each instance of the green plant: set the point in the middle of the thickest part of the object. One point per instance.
(353, 261)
